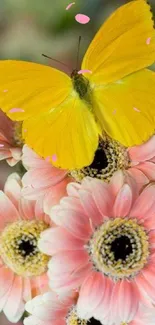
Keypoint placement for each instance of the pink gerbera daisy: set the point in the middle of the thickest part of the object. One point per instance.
(111, 156)
(22, 265)
(10, 140)
(42, 180)
(104, 244)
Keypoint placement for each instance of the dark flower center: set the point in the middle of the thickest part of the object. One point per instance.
(121, 247)
(100, 160)
(26, 248)
(94, 321)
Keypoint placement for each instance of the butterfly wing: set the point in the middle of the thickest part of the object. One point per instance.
(56, 123)
(68, 134)
(28, 89)
(126, 109)
(124, 44)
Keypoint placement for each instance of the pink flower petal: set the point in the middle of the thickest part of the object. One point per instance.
(84, 71)
(139, 177)
(13, 110)
(1, 145)
(8, 212)
(82, 19)
(6, 280)
(145, 203)
(14, 308)
(12, 189)
(70, 5)
(104, 306)
(57, 239)
(123, 202)
(148, 168)
(74, 222)
(90, 295)
(144, 286)
(143, 152)
(127, 300)
(148, 40)
(90, 207)
(100, 191)
(68, 282)
(70, 260)
(136, 109)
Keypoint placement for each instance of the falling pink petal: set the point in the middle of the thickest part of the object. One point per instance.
(12, 110)
(25, 130)
(136, 109)
(70, 5)
(47, 158)
(82, 19)
(54, 157)
(1, 145)
(148, 40)
(114, 112)
(84, 71)
(5, 90)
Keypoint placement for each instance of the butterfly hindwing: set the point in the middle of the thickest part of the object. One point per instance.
(68, 133)
(126, 109)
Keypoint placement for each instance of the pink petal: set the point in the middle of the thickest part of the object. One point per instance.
(103, 308)
(144, 286)
(90, 207)
(27, 289)
(32, 160)
(8, 212)
(54, 194)
(100, 190)
(77, 224)
(67, 262)
(127, 300)
(116, 182)
(12, 189)
(14, 308)
(90, 295)
(123, 202)
(143, 152)
(27, 209)
(139, 177)
(13, 110)
(57, 239)
(73, 189)
(68, 282)
(16, 153)
(72, 203)
(82, 19)
(144, 204)
(84, 71)
(70, 5)
(148, 272)
(148, 168)
(6, 280)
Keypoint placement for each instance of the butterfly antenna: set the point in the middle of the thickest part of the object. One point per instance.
(78, 52)
(48, 57)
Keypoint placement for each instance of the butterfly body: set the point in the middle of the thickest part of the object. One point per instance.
(65, 117)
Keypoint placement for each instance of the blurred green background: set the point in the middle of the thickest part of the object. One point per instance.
(29, 28)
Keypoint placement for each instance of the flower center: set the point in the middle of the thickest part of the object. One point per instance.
(17, 134)
(119, 248)
(19, 250)
(109, 157)
(73, 319)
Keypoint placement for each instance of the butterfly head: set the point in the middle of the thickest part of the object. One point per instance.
(81, 85)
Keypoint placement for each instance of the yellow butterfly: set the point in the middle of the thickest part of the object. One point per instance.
(63, 117)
